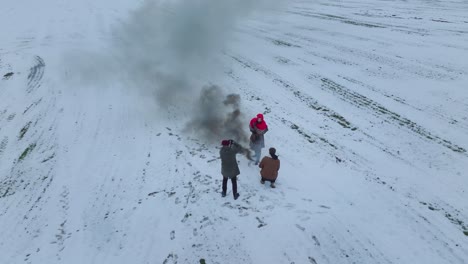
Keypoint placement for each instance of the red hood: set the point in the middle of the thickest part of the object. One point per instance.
(260, 125)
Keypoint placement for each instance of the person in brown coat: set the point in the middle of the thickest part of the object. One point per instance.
(269, 168)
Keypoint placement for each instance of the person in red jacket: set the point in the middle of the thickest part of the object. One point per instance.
(258, 127)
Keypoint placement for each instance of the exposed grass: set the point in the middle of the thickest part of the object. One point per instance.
(359, 100)
(48, 158)
(3, 144)
(24, 130)
(26, 151)
(7, 75)
(302, 133)
(6, 193)
(284, 43)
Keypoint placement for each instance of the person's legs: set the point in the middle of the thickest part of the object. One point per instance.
(234, 188)
(258, 154)
(262, 181)
(272, 185)
(225, 180)
(234, 185)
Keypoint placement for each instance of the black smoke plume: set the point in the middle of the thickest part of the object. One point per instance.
(169, 50)
(217, 116)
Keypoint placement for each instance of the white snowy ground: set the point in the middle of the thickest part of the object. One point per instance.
(367, 105)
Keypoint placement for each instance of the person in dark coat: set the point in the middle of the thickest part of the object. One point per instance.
(229, 167)
(269, 168)
(258, 127)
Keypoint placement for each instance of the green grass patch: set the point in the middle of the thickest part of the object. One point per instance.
(27, 151)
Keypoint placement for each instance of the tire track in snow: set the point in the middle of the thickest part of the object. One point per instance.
(24, 191)
(306, 99)
(337, 243)
(62, 233)
(11, 117)
(114, 195)
(454, 215)
(34, 104)
(2, 115)
(3, 145)
(23, 176)
(41, 140)
(402, 66)
(35, 75)
(376, 143)
(341, 19)
(392, 17)
(453, 121)
(362, 101)
(430, 231)
(381, 145)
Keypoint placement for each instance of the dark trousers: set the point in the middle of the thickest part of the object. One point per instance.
(272, 181)
(234, 184)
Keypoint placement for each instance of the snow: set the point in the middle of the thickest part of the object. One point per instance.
(366, 103)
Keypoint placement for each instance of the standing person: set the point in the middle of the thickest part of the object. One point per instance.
(229, 167)
(258, 127)
(269, 168)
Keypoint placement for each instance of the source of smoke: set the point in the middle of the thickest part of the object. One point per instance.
(217, 116)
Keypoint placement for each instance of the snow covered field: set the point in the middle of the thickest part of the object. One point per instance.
(105, 155)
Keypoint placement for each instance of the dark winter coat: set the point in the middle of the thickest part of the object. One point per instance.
(270, 168)
(257, 141)
(258, 129)
(229, 167)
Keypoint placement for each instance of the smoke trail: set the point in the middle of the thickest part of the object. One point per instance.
(171, 47)
(168, 48)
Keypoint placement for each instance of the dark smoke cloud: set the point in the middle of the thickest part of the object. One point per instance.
(171, 47)
(218, 116)
(170, 50)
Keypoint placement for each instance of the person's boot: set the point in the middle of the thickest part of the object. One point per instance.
(223, 194)
(262, 181)
(273, 185)
(236, 196)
